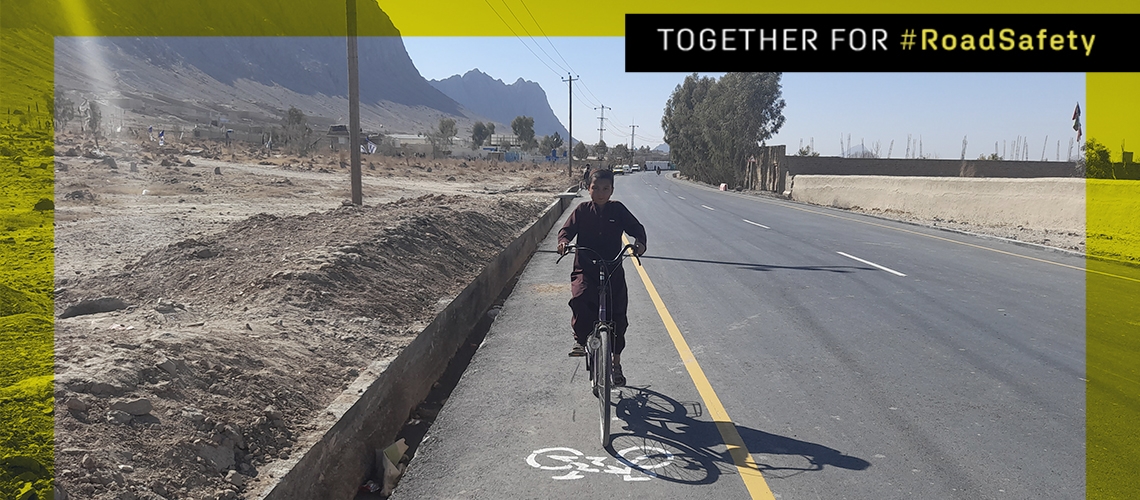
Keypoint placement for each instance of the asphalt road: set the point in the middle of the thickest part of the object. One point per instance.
(854, 357)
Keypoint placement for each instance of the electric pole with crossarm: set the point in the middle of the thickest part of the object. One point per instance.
(570, 152)
(631, 133)
(602, 121)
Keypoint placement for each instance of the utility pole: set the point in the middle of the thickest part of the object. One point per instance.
(570, 86)
(631, 150)
(601, 122)
(354, 104)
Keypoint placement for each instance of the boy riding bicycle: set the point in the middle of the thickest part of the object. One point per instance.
(599, 224)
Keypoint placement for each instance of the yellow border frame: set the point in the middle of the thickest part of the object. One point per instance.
(27, 28)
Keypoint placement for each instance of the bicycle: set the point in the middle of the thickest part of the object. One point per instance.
(599, 345)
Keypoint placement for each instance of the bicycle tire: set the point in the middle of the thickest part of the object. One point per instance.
(593, 345)
(604, 362)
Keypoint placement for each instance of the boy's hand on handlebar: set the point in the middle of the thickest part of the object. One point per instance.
(561, 248)
(638, 249)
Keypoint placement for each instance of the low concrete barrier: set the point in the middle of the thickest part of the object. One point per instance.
(1046, 203)
(368, 415)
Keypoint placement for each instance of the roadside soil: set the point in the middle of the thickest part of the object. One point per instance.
(211, 301)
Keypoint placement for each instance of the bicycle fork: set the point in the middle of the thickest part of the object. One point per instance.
(594, 342)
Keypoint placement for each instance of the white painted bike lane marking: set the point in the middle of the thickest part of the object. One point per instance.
(576, 462)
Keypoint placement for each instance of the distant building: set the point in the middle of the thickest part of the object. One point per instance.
(409, 139)
(339, 138)
(504, 141)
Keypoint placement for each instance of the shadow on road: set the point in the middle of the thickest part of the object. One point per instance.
(691, 451)
(750, 266)
(763, 267)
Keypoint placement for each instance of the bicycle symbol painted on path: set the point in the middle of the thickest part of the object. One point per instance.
(638, 468)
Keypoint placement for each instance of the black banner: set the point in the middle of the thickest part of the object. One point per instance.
(882, 42)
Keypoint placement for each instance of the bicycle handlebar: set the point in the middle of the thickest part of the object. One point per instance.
(621, 255)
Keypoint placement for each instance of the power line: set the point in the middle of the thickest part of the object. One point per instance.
(544, 35)
(592, 102)
(590, 91)
(536, 44)
(520, 38)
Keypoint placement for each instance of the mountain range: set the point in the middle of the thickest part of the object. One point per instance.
(501, 102)
(183, 81)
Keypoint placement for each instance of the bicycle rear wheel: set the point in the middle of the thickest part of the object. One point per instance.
(603, 373)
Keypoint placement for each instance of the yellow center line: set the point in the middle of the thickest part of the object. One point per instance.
(884, 226)
(749, 471)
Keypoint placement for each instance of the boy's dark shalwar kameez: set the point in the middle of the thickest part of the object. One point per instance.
(599, 228)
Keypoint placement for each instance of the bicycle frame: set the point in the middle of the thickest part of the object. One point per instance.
(599, 346)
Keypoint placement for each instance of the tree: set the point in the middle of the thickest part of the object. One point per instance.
(295, 132)
(600, 149)
(62, 111)
(619, 152)
(551, 142)
(523, 127)
(94, 120)
(480, 133)
(447, 130)
(807, 151)
(713, 126)
(580, 152)
(1098, 165)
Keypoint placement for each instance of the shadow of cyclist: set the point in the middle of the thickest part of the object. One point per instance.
(694, 449)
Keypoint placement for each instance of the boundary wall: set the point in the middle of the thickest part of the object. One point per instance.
(833, 165)
(774, 168)
(1045, 203)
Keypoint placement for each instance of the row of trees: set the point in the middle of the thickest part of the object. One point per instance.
(712, 126)
(602, 151)
(522, 127)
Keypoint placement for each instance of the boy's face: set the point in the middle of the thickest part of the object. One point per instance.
(601, 190)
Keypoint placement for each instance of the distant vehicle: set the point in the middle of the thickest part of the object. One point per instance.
(618, 170)
(636, 167)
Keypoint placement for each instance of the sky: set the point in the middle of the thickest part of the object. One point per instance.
(938, 109)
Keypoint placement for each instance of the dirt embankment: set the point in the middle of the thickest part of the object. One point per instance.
(209, 310)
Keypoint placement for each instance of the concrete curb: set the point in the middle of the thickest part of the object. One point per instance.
(369, 413)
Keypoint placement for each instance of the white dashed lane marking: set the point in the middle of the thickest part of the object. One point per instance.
(869, 263)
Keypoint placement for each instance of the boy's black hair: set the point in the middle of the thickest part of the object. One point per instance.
(602, 174)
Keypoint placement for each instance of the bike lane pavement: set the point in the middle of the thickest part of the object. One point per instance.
(522, 422)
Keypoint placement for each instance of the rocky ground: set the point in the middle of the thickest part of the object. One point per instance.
(212, 302)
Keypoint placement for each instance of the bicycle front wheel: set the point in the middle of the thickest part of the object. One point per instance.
(604, 368)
